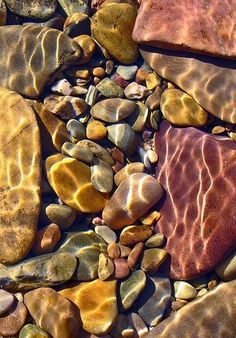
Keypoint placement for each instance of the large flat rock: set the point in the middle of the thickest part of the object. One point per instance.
(210, 81)
(212, 315)
(30, 54)
(198, 172)
(20, 175)
(204, 26)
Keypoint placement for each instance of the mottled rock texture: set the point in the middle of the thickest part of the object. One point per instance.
(212, 315)
(204, 26)
(198, 172)
(20, 175)
(31, 54)
(35, 9)
(210, 81)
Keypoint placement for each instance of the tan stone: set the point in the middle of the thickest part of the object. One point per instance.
(53, 313)
(134, 234)
(112, 27)
(3, 13)
(150, 217)
(152, 259)
(46, 239)
(87, 45)
(97, 303)
(129, 169)
(70, 179)
(96, 130)
(20, 177)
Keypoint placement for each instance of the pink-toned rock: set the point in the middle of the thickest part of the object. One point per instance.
(13, 321)
(204, 26)
(121, 268)
(198, 172)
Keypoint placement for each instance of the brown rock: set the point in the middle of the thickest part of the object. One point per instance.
(44, 304)
(129, 169)
(11, 323)
(87, 45)
(3, 13)
(134, 255)
(20, 177)
(96, 130)
(47, 238)
(152, 259)
(113, 250)
(135, 233)
(60, 214)
(124, 250)
(134, 196)
(121, 268)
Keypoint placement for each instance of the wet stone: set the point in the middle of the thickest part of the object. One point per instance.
(123, 137)
(135, 91)
(131, 288)
(184, 290)
(45, 301)
(86, 246)
(35, 9)
(113, 110)
(97, 303)
(11, 323)
(152, 259)
(113, 250)
(96, 130)
(88, 47)
(150, 218)
(77, 152)
(105, 267)
(3, 13)
(122, 328)
(134, 255)
(46, 270)
(62, 215)
(106, 233)
(124, 250)
(6, 301)
(33, 331)
(97, 150)
(121, 268)
(91, 95)
(129, 169)
(46, 240)
(155, 241)
(70, 6)
(119, 80)
(139, 326)
(77, 24)
(127, 72)
(62, 87)
(109, 88)
(153, 101)
(135, 233)
(76, 129)
(152, 81)
(139, 118)
(227, 269)
(101, 176)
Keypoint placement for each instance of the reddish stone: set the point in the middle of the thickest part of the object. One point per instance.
(205, 26)
(198, 172)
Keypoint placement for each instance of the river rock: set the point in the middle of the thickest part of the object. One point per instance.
(129, 169)
(33, 331)
(20, 177)
(71, 181)
(77, 24)
(123, 137)
(140, 328)
(134, 255)
(33, 9)
(66, 107)
(97, 303)
(96, 130)
(105, 267)
(204, 314)
(180, 109)
(127, 72)
(155, 241)
(86, 246)
(187, 26)
(153, 100)
(135, 91)
(11, 323)
(113, 110)
(110, 25)
(45, 301)
(97, 150)
(88, 47)
(152, 259)
(188, 73)
(155, 299)
(62, 215)
(184, 290)
(138, 119)
(6, 301)
(131, 288)
(3, 13)
(186, 211)
(133, 198)
(45, 270)
(28, 72)
(106, 233)
(77, 152)
(113, 250)
(101, 176)
(109, 88)
(46, 240)
(227, 269)
(122, 327)
(76, 129)
(71, 6)
(135, 233)
(121, 268)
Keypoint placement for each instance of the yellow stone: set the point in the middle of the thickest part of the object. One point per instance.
(181, 109)
(96, 130)
(97, 303)
(71, 181)
(152, 81)
(112, 27)
(87, 45)
(150, 217)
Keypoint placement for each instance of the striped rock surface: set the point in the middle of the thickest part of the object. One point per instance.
(30, 54)
(204, 26)
(198, 172)
(212, 315)
(20, 176)
(210, 81)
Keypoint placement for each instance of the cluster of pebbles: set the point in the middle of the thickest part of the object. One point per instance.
(97, 264)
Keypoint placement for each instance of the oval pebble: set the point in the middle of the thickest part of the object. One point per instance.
(106, 233)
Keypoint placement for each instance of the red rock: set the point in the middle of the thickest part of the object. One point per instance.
(121, 268)
(205, 26)
(210, 81)
(198, 172)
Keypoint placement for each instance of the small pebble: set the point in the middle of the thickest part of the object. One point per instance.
(87, 45)
(82, 73)
(6, 301)
(91, 96)
(218, 130)
(124, 250)
(155, 241)
(144, 158)
(105, 267)
(153, 100)
(106, 233)
(63, 215)
(33, 331)
(178, 304)
(113, 250)
(77, 152)
(135, 233)
(155, 119)
(99, 72)
(96, 130)
(119, 80)
(62, 87)
(46, 240)
(79, 90)
(141, 76)
(150, 218)
(184, 290)
(121, 268)
(101, 176)
(131, 288)
(129, 169)
(123, 137)
(76, 129)
(127, 72)
(109, 67)
(152, 156)
(138, 119)
(117, 155)
(152, 259)
(134, 91)
(134, 255)
(152, 81)
(109, 88)
(212, 284)
(97, 150)
(201, 292)
(122, 328)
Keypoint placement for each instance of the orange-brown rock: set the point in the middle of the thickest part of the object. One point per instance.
(71, 180)
(20, 177)
(13, 321)
(207, 27)
(47, 239)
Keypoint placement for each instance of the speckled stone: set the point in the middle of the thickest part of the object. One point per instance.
(96, 130)
(105, 267)
(135, 233)
(123, 137)
(66, 107)
(127, 72)
(109, 88)
(97, 150)
(11, 323)
(131, 288)
(33, 331)
(45, 301)
(35, 9)
(136, 91)
(77, 152)
(62, 215)
(46, 240)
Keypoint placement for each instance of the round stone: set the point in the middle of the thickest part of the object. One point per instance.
(131, 200)
(11, 324)
(105, 267)
(124, 250)
(35, 9)
(76, 129)
(138, 119)
(129, 169)
(33, 331)
(97, 303)
(77, 152)
(184, 290)
(152, 259)
(47, 238)
(155, 241)
(109, 27)
(123, 137)
(113, 110)
(153, 101)
(180, 109)
(135, 91)
(6, 301)
(106, 233)
(62, 215)
(101, 176)
(131, 288)
(135, 233)
(71, 181)
(152, 81)
(96, 130)
(77, 24)
(150, 218)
